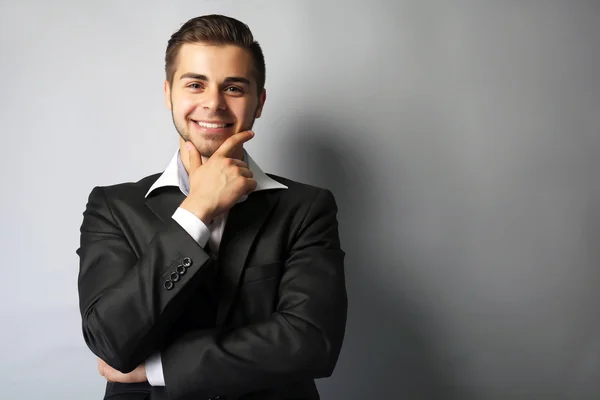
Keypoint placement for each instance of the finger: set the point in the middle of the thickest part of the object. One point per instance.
(246, 185)
(245, 172)
(237, 163)
(112, 375)
(233, 143)
(194, 158)
(250, 185)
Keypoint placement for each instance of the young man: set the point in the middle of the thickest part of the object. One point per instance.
(212, 280)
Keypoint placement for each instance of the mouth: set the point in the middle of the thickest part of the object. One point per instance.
(213, 125)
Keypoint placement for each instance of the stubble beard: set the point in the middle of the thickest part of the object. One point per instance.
(205, 149)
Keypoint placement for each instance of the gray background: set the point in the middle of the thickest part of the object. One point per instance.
(461, 139)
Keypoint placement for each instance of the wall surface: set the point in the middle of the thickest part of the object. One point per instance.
(461, 140)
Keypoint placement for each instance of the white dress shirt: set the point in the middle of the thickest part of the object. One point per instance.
(176, 175)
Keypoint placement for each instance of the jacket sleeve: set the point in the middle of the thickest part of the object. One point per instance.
(300, 341)
(128, 301)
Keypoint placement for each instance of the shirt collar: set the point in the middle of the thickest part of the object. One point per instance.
(176, 175)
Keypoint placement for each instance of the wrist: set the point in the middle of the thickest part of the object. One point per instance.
(202, 212)
(143, 373)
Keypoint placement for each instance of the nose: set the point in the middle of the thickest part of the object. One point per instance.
(213, 99)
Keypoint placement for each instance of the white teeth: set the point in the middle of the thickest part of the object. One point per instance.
(210, 126)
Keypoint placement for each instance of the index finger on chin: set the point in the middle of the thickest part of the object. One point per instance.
(233, 142)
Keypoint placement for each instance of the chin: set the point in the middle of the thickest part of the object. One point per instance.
(207, 143)
(208, 149)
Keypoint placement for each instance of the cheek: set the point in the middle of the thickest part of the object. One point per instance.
(183, 106)
(244, 112)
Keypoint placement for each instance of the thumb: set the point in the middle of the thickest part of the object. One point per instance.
(193, 156)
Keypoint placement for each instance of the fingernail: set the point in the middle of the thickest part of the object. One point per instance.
(188, 146)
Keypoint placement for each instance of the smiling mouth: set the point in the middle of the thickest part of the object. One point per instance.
(212, 125)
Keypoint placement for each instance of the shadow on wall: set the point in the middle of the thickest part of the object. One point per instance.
(387, 350)
(582, 379)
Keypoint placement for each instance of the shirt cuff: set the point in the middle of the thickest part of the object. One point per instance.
(154, 370)
(192, 225)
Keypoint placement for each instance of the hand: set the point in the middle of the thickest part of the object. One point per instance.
(112, 375)
(220, 182)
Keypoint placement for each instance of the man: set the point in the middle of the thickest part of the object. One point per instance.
(212, 280)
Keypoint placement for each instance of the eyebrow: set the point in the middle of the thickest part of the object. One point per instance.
(230, 79)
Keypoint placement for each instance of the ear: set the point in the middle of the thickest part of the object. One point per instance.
(167, 90)
(261, 102)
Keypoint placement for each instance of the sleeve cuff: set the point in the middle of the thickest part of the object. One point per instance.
(154, 370)
(192, 225)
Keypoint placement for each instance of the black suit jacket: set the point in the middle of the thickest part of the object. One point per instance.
(280, 316)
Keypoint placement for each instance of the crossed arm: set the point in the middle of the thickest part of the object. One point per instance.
(126, 312)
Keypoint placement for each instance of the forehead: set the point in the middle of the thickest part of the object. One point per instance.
(214, 61)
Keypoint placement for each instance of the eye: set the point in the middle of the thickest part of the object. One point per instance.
(194, 86)
(234, 89)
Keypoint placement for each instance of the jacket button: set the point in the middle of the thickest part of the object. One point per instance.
(187, 262)
(180, 269)
(169, 285)
(174, 276)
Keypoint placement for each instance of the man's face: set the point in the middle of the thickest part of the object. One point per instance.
(213, 94)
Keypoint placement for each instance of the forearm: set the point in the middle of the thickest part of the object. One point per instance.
(128, 320)
(283, 350)
(301, 340)
(125, 301)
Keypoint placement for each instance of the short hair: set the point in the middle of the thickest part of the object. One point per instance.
(219, 30)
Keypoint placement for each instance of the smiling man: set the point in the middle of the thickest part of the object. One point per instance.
(212, 279)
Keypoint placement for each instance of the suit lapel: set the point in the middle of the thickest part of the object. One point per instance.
(244, 223)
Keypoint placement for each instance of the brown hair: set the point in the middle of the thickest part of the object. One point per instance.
(219, 30)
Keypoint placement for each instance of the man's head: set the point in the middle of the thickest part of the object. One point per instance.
(215, 76)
